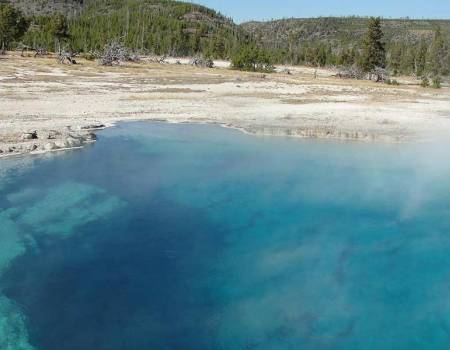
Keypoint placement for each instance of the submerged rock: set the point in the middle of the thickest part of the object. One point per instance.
(90, 137)
(13, 331)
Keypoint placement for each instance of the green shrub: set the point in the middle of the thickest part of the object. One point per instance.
(437, 82)
(252, 59)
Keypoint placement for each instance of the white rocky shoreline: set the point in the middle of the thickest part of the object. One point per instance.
(42, 141)
(47, 107)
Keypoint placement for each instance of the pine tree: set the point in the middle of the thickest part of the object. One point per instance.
(395, 59)
(59, 29)
(321, 56)
(421, 59)
(12, 25)
(374, 52)
(407, 60)
(438, 54)
(253, 59)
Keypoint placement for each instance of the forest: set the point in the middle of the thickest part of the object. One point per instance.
(165, 27)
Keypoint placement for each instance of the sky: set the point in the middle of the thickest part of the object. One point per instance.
(244, 10)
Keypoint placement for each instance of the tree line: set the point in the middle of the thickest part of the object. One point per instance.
(183, 29)
(373, 56)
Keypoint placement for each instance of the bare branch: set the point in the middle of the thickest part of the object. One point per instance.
(68, 56)
(114, 53)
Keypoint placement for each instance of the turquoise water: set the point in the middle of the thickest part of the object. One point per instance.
(198, 237)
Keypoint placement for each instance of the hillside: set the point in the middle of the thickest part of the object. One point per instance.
(411, 45)
(166, 27)
(157, 26)
(47, 7)
(339, 30)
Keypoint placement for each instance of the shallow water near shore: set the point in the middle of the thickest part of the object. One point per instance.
(165, 236)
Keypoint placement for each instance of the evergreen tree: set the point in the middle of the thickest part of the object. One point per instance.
(395, 59)
(421, 59)
(407, 60)
(13, 25)
(58, 28)
(321, 56)
(438, 62)
(253, 59)
(374, 52)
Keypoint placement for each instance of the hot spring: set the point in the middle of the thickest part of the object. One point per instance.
(198, 237)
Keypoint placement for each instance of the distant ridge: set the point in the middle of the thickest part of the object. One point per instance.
(273, 34)
(332, 30)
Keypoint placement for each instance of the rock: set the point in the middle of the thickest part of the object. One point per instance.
(50, 146)
(61, 144)
(72, 141)
(31, 148)
(93, 126)
(30, 135)
(53, 134)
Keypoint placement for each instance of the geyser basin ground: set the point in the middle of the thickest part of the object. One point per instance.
(198, 237)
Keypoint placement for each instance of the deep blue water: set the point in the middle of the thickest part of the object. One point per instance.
(197, 237)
